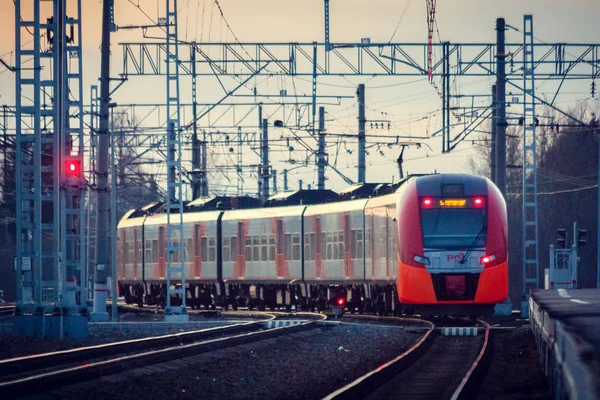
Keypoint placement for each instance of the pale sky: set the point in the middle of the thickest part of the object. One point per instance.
(405, 100)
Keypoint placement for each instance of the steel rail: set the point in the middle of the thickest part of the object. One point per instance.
(56, 358)
(49, 380)
(363, 385)
(467, 387)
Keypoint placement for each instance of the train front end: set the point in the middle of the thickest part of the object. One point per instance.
(453, 245)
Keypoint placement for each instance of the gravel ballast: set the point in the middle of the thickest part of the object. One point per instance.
(99, 333)
(304, 365)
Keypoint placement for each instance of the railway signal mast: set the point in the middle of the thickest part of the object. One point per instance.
(50, 184)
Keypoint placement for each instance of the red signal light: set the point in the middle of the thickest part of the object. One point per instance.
(73, 168)
(341, 301)
(485, 260)
(427, 202)
(478, 202)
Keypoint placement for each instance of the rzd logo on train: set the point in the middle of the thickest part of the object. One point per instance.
(458, 256)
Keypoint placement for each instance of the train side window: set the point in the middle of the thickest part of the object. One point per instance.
(189, 246)
(359, 244)
(313, 246)
(353, 243)
(154, 250)
(212, 249)
(226, 246)
(131, 252)
(234, 248)
(139, 252)
(307, 249)
(272, 248)
(204, 248)
(324, 245)
(287, 239)
(248, 248)
(263, 248)
(296, 246)
(368, 240)
(334, 246)
(255, 248)
(341, 245)
(148, 251)
(175, 254)
(329, 248)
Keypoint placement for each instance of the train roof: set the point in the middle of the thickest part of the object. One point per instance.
(332, 208)
(301, 197)
(280, 204)
(265, 212)
(452, 184)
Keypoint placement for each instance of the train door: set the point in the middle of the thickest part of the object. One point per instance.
(162, 266)
(196, 257)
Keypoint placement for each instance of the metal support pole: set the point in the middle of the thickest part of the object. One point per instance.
(300, 184)
(113, 221)
(446, 97)
(598, 215)
(314, 87)
(196, 156)
(197, 181)
(321, 151)
(203, 168)
(361, 133)
(99, 313)
(265, 159)
(285, 180)
(327, 44)
(494, 138)
(274, 174)
(501, 106)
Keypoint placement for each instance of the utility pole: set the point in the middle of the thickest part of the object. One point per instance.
(203, 170)
(265, 160)
(361, 132)
(501, 106)
(196, 155)
(321, 151)
(493, 174)
(100, 289)
(598, 213)
(285, 180)
(197, 181)
(274, 174)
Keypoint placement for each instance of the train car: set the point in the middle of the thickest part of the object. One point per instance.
(334, 252)
(261, 256)
(453, 245)
(380, 237)
(141, 257)
(430, 244)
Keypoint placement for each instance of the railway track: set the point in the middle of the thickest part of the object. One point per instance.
(7, 310)
(441, 367)
(43, 372)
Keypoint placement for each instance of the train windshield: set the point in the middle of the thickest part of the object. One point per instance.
(451, 229)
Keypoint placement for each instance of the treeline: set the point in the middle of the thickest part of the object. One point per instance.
(567, 190)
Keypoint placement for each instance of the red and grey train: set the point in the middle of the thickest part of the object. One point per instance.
(435, 244)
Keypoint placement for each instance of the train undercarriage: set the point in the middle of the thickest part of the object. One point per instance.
(367, 298)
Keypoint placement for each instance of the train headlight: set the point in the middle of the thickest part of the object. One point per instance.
(422, 260)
